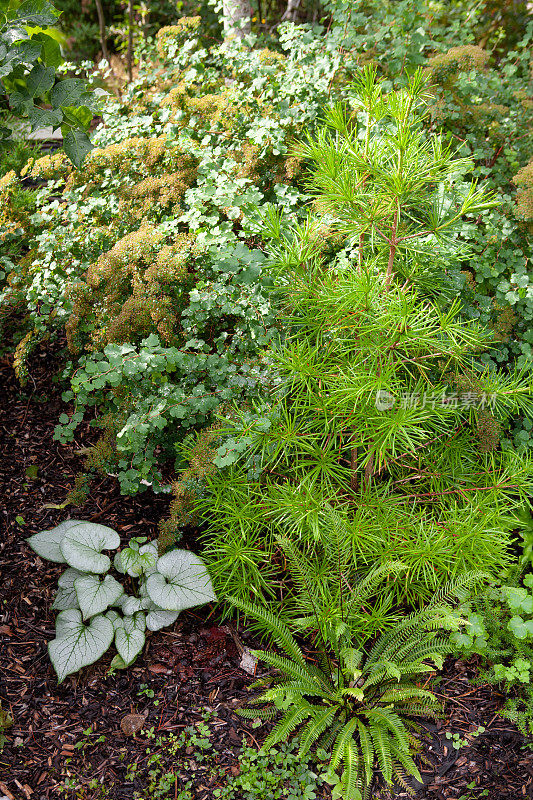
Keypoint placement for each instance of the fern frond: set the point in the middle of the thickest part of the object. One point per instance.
(295, 691)
(328, 737)
(287, 725)
(315, 728)
(389, 719)
(257, 713)
(279, 632)
(343, 737)
(400, 695)
(307, 673)
(367, 751)
(405, 760)
(418, 710)
(451, 592)
(404, 637)
(367, 585)
(434, 647)
(401, 779)
(350, 775)
(382, 748)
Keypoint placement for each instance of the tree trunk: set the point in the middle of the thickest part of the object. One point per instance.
(101, 27)
(237, 16)
(130, 41)
(291, 12)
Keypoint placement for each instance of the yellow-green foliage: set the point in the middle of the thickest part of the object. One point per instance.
(172, 34)
(49, 167)
(131, 290)
(11, 217)
(444, 70)
(185, 491)
(152, 174)
(445, 66)
(524, 196)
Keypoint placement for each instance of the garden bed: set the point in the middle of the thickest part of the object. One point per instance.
(66, 736)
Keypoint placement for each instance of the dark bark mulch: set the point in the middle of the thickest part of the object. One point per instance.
(69, 735)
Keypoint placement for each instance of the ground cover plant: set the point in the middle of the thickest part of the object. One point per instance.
(88, 621)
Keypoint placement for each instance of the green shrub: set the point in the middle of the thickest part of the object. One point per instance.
(385, 409)
(149, 256)
(152, 395)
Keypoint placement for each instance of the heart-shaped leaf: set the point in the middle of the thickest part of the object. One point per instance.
(114, 618)
(130, 638)
(77, 645)
(181, 581)
(136, 562)
(94, 595)
(46, 543)
(157, 618)
(117, 563)
(130, 605)
(81, 546)
(66, 596)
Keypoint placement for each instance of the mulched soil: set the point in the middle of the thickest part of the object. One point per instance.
(185, 672)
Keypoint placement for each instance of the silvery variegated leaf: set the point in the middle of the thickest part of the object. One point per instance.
(117, 563)
(77, 645)
(46, 543)
(114, 617)
(130, 637)
(82, 544)
(66, 596)
(181, 582)
(95, 595)
(158, 618)
(130, 605)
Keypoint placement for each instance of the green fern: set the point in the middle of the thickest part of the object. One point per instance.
(520, 711)
(360, 709)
